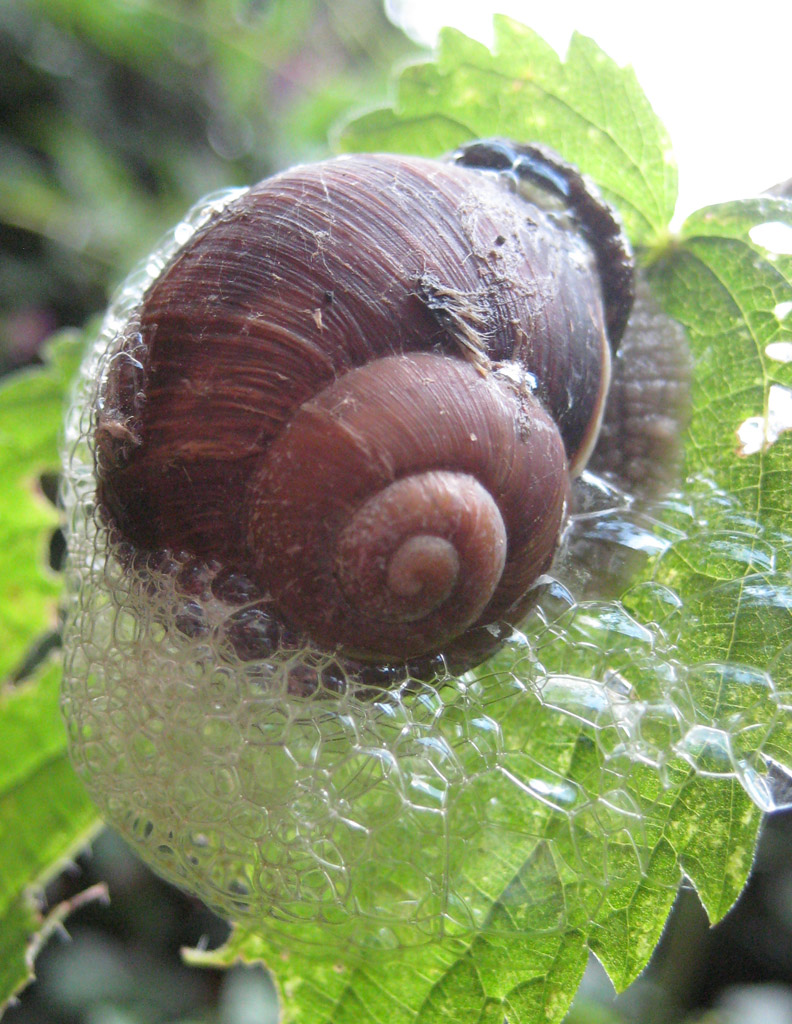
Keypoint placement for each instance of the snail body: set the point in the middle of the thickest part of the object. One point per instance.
(364, 387)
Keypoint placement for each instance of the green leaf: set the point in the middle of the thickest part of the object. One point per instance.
(717, 858)
(550, 899)
(525, 963)
(593, 112)
(18, 923)
(23, 933)
(729, 565)
(31, 414)
(522, 964)
(732, 297)
(529, 979)
(45, 814)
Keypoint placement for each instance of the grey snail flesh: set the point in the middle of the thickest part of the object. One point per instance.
(357, 270)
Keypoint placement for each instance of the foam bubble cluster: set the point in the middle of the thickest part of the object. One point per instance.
(382, 820)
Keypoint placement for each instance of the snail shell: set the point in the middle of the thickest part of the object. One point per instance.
(363, 388)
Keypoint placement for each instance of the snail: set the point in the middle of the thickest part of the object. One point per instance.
(325, 455)
(356, 399)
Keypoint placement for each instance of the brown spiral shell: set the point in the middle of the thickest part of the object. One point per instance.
(363, 387)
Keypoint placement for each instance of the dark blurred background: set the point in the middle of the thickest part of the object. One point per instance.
(116, 116)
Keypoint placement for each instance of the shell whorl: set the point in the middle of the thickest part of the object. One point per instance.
(441, 466)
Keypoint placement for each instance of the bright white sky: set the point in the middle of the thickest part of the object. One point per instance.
(719, 75)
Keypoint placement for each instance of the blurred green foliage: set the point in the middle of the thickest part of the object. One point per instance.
(118, 115)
